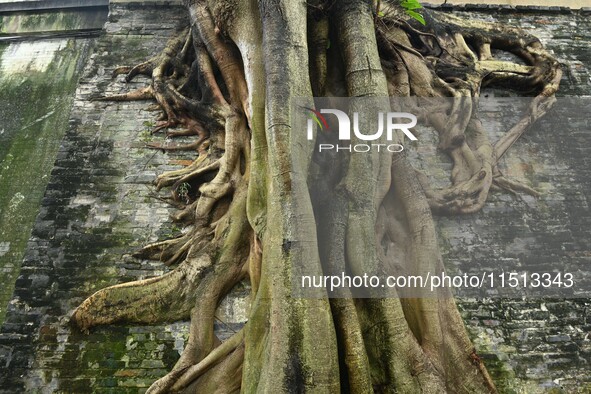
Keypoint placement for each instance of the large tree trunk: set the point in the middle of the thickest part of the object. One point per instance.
(229, 79)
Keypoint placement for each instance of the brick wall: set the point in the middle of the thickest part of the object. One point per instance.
(99, 207)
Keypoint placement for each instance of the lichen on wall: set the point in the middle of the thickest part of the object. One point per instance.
(37, 82)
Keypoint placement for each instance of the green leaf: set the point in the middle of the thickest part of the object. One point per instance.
(381, 14)
(416, 16)
(411, 5)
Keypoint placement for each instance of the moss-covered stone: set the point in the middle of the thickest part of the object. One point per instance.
(35, 102)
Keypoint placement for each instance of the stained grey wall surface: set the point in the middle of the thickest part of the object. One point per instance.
(41, 57)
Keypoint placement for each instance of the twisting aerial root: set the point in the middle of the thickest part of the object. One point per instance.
(458, 63)
(227, 80)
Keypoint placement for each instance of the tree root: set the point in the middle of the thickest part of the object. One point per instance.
(192, 175)
(460, 134)
(214, 357)
(163, 299)
(227, 81)
(136, 95)
(170, 251)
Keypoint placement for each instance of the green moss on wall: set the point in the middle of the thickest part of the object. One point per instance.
(34, 107)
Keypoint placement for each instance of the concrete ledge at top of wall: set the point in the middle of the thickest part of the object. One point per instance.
(41, 5)
(559, 5)
(564, 7)
(507, 8)
(34, 5)
(148, 2)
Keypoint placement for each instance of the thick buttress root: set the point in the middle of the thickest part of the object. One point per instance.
(227, 82)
